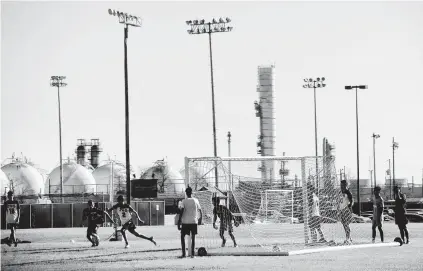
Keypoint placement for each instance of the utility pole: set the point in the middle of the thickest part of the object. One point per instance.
(231, 184)
(127, 20)
(202, 27)
(58, 81)
(375, 136)
(394, 146)
(358, 154)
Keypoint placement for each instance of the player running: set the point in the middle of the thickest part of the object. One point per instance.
(125, 212)
(226, 218)
(94, 215)
(345, 210)
(315, 215)
(400, 218)
(377, 220)
(188, 220)
(13, 214)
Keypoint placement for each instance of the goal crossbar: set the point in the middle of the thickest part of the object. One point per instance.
(257, 158)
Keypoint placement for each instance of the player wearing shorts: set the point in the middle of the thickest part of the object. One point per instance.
(94, 215)
(125, 212)
(226, 218)
(188, 220)
(377, 220)
(13, 214)
(400, 218)
(345, 210)
(315, 218)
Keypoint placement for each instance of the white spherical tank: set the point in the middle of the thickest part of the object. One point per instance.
(203, 174)
(76, 179)
(103, 176)
(24, 178)
(4, 183)
(168, 180)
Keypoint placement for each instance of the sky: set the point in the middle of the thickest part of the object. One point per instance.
(379, 44)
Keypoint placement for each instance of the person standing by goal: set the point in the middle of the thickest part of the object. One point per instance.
(377, 220)
(13, 214)
(400, 218)
(188, 220)
(226, 218)
(345, 210)
(314, 223)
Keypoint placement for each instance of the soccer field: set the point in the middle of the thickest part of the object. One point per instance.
(52, 249)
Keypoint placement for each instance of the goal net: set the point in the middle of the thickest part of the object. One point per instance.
(282, 204)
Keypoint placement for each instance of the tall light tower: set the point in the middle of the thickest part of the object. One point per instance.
(315, 83)
(127, 20)
(231, 185)
(358, 154)
(203, 27)
(58, 81)
(375, 136)
(394, 147)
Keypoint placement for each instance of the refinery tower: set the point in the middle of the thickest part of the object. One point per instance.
(265, 111)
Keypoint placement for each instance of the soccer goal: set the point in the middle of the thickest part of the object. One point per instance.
(295, 210)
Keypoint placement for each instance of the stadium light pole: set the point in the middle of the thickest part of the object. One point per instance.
(358, 154)
(315, 83)
(127, 20)
(229, 162)
(394, 147)
(202, 27)
(375, 136)
(58, 81)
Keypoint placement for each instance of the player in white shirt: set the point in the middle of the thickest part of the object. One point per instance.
(125, 212)
(188, 220)
(315, 218)
(13, 214)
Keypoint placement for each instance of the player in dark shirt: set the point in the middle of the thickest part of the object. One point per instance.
(13, 214)
(400, 218)
(95, 216)
(345, 210)
(226, 218)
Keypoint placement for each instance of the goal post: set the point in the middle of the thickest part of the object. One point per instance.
(276, 214)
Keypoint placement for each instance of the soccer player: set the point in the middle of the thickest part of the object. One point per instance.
(226, 218)
(315, 215)
(188, 220)
(125, 212)
(400, 218)
(345, 210)
(13, 214)
(95, 217)
(377, 214)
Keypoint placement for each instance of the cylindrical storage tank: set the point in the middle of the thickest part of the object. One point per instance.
(76, 179)
(203, 175)
(168, 180)
(24, 178)
(95, 154)
(80, 154)
(267, 120)
(103, 176)
(4, 181)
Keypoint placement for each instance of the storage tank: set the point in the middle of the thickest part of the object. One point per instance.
(80, 154)
(103, 176)
(95, 152)
(168, 179)
(202, 174)
(76, 179)
(24, 178)
(4, 183)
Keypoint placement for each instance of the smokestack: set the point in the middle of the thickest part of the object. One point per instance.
(265, 110)
(80, 152)
(95, 152)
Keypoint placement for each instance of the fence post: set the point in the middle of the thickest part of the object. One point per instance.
(149, 210)
(30, 216)
(51, 212)
(71, 215)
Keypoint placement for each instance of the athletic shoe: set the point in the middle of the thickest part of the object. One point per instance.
(152, 240)
(322, 240)
(183, 256)
(235, 245)
(127, 246)
(223, 242)
(408, 242)
(373, 241)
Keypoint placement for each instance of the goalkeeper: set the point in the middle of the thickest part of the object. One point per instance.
(226, 218)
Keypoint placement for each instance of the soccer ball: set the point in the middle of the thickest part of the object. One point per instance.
(202, 251)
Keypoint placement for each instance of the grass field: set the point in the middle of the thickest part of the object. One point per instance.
(52, 249)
